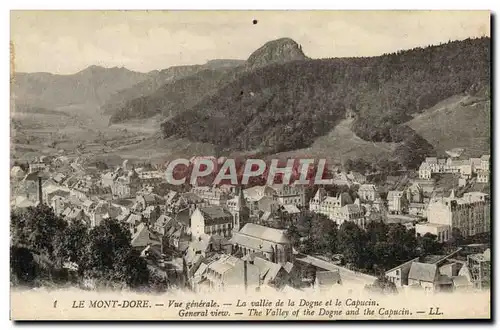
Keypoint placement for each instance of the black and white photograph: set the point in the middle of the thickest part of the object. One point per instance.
(250, 165)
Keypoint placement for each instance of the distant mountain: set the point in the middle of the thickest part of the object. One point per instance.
(172, 98)
(287, 106)
(197, 82)
(93, 85)
(275, 52)
(157, 79)
(19, 109)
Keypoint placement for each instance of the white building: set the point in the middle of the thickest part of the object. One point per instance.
(483, 176)
(328, 205)
(469, 214)
(394, 201)
(367, 192)
(271, 242)
(290, 194)
(485, 162)
(425, 171)
(442, 232)
(211, 220)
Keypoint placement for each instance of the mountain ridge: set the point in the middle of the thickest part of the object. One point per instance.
(92, 85)
(146, 105)
(286, 106)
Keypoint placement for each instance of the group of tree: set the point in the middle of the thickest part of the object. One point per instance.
(44, 244)
(374, 250)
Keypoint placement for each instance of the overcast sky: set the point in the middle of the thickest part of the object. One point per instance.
(66, 42)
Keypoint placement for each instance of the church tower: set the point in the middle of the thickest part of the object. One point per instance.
(240, 210)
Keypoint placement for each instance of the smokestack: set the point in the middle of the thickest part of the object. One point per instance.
(40, 196)
(245, 276)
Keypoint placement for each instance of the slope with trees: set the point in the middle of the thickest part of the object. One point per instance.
(179, 95)
(42, 244)
(286, 106)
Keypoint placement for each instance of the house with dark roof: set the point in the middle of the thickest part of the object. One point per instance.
(399, 274)
(424, 275)
(147, 200)
(162, 224)
(271, 242)
(367, 192)
(142, 237)
(211, 220)
(229, 271)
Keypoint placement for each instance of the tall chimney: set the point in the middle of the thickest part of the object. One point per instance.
(40, 196)
(245, 276)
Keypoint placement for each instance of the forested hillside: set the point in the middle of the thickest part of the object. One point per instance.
(171, 98)
(286, 106)
(197, 82)
(156, 79)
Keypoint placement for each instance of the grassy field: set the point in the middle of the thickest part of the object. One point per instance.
(458, 122)
(342, 144)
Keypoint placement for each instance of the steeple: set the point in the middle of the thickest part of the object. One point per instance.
(240, 201)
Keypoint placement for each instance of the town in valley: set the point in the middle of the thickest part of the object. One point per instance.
(286, 237)
(107, 106)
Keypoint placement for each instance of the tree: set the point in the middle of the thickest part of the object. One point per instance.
(351, 243)
(109, 256)
(383, 285)
(293, 234)
(69, 244)
(22, 264)
(428, 244)
(35, 228)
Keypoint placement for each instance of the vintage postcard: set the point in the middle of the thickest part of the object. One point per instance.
(250, 165)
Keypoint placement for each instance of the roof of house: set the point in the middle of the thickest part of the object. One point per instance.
(288, 267)
(143, 237)
(268, 270)
(328, 277)
(424, 166)
(394, 193)
(417, 205)
(265, 233)
(134, 219)
(487, 254)
(183, 217)
(75, 213)
(17, 171)
(201, 270)
(265, 216)
(124, 215)
(257, 192)
(254, 243)
(367, 187)
(163, 220)
(171, 196)
(460, 281)
(291, 209)
(224, 263)
(423, 272)
(485, 157)
(402, 265)
(356, 176)
(191, 197)
(352, 208)
(215, 214)
(24, 202)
